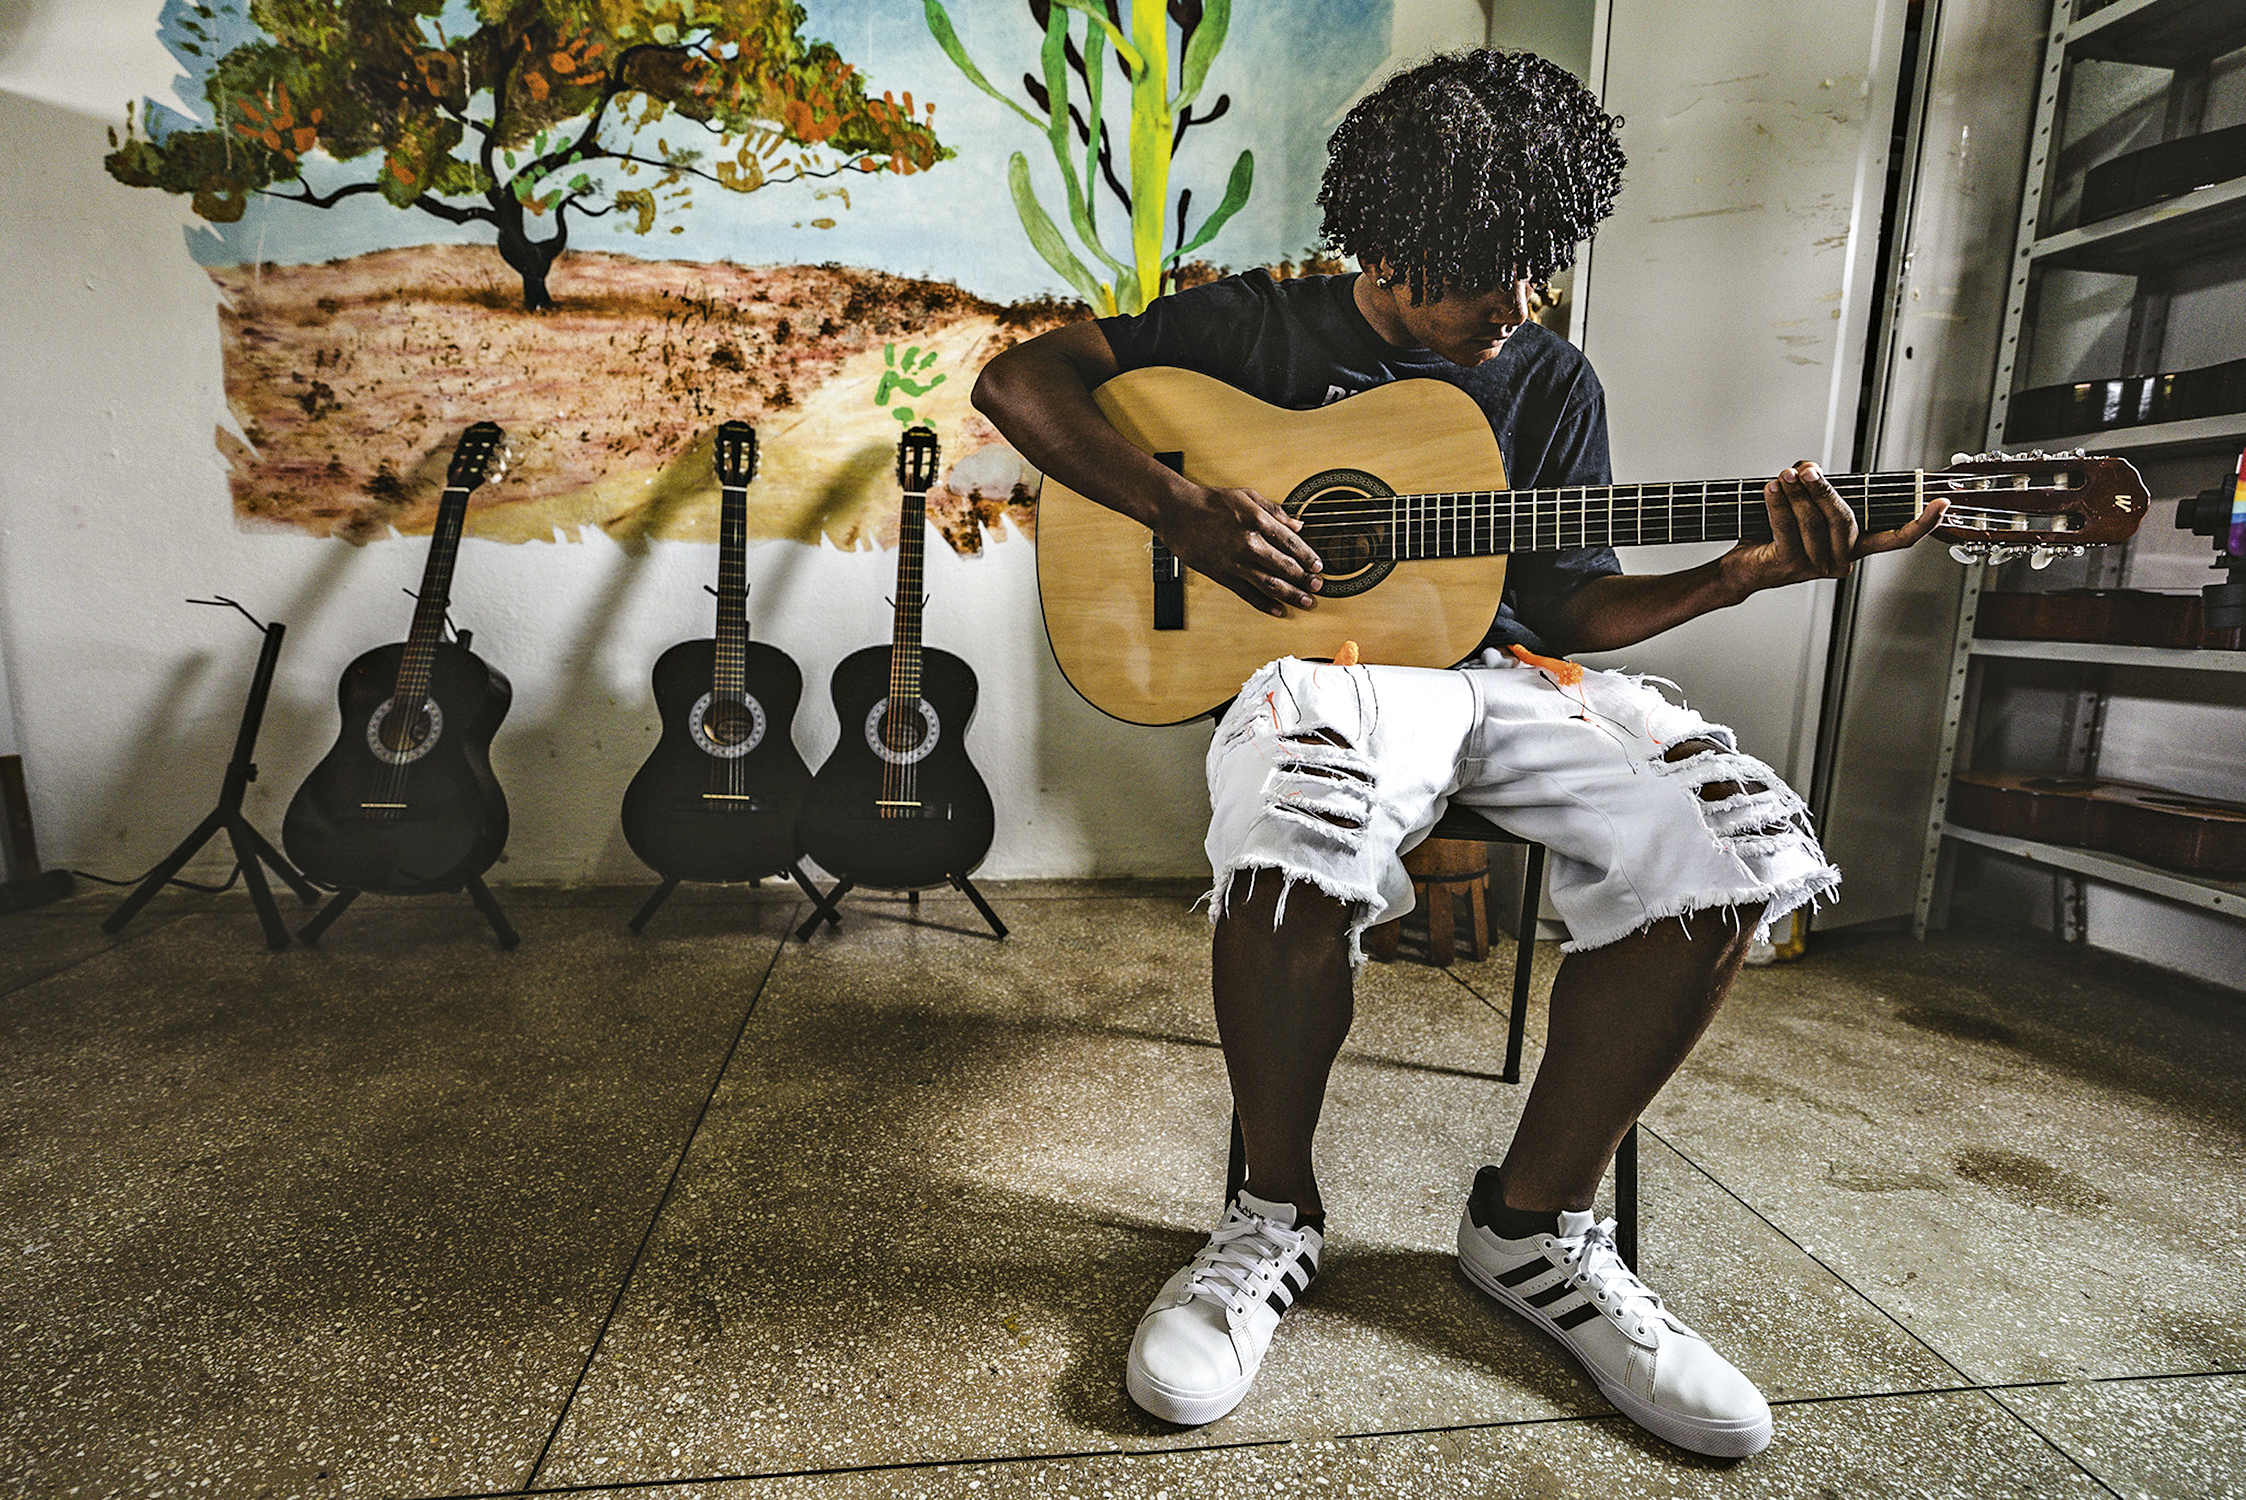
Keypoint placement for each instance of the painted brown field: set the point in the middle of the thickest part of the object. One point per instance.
(351, 380)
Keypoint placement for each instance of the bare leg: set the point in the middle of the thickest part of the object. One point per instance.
(1283, 1003)
(1623, 1018)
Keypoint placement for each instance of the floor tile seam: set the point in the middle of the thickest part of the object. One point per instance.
(1996, 1399)
(1964, 1377)
(112, 946)
(993, 1460)
(662, 1201)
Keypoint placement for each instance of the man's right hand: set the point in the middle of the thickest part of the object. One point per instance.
(1245, 542)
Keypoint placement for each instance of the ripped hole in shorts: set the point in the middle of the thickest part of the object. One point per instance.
(1324, 779)
(1742, 801)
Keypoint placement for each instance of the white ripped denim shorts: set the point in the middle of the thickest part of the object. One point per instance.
(1328, 774)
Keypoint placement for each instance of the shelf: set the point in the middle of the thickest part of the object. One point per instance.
(2098, 653)
(2225, 896)
(2205, 221)
(2159, 33)
(2199, 435)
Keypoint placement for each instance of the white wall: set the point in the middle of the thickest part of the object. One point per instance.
(1725, 304)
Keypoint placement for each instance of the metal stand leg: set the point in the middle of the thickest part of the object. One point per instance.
(827, 905)
(141, 895)
(479, 893)
(1524, 955)
(967, 889)
(261, 897)
(324, 918)
(654, 902)
(1626, 1197)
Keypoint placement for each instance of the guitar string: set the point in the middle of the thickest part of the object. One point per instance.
(416, 661)
(1492, 504)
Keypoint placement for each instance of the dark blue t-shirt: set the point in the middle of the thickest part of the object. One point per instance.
(1304, 342)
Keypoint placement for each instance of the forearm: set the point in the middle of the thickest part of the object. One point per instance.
(1042, 401)
(1623, 609)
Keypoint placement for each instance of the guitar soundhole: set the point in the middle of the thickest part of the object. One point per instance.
(727, 725)
(400, 742)
(1346, 519)
(878, 737)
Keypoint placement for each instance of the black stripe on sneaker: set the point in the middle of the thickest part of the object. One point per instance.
(1575, 1317)
(1527, 1272)
(1549, 1295)
(1297, 1281)
(1277, 1302)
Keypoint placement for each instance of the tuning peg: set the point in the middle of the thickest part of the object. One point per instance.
(1970, 553)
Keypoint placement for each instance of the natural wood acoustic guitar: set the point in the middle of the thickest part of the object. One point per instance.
(1401, 492)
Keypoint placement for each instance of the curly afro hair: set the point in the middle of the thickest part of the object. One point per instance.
(1471, 170)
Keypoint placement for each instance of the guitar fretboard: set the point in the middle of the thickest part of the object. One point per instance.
(731, 672)
(1480, 523)
(430, 604)
(902, 729)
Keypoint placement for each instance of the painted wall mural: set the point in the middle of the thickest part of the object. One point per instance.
(424, 213)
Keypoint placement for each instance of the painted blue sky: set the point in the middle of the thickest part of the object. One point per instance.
(1288, 68)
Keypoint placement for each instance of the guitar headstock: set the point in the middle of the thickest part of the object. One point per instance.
(735, 455)
(919, 458)
(2036, 505)
(478, 458)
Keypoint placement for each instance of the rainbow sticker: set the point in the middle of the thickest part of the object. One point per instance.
(2236, 546)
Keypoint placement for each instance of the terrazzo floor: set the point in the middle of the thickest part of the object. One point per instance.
(712, 1212)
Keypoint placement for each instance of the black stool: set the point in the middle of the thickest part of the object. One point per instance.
(1460, 823)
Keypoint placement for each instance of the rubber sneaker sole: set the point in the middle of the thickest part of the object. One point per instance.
(1740, 1439)
(1186, 1409)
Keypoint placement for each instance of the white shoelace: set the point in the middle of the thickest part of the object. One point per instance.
(1600, 1271)
(1239, 1250)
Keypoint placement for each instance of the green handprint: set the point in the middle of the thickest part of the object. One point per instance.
(899, 377)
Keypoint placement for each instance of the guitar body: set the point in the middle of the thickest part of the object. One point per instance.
(703, 807)
(406, 827)
(842, 825)
(1096, 583)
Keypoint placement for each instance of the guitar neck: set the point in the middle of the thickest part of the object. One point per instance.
(904, 641)
(434, 597)
(1482, 523)
(732, 591)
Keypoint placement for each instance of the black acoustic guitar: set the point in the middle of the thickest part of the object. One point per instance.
(898, 805)
(718, 796)
(405, 803)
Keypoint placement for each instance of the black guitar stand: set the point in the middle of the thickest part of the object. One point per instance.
(478, 892)
(960, 883)
(662, 893)
(251, 850)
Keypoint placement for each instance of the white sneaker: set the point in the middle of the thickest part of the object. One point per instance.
(1575, 1286)
(1199, 1346)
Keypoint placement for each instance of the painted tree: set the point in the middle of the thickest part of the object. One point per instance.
(1144, 40)
(519, 114)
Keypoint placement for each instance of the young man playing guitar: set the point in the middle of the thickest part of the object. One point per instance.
(1457, 186)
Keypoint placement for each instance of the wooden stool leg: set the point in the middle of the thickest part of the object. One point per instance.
(1380, 942)
(1442, 935)
(1478, 918)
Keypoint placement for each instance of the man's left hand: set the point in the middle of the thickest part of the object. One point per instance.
(1813, 534)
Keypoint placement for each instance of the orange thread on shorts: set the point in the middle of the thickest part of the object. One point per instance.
(1565, 673)
(1271, 701)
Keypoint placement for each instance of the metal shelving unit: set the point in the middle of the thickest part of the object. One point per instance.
(2147, 244)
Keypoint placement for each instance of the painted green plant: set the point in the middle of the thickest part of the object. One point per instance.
(1146, 41)
(514, 114)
